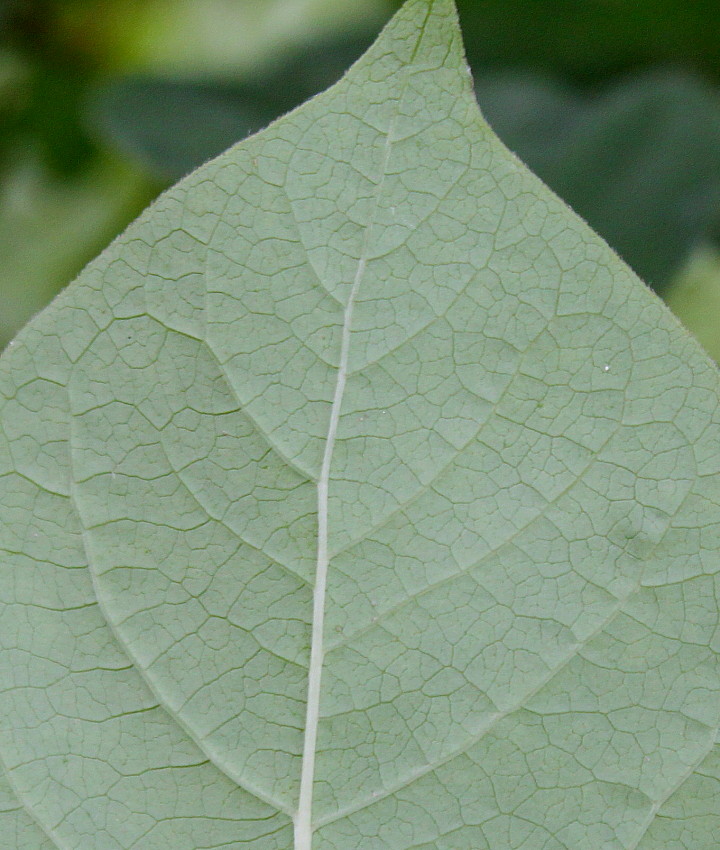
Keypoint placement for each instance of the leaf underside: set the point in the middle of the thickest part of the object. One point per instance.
(359, 496)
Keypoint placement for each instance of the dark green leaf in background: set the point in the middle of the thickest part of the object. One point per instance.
(171, 126)
(592, 40)
(640, 161)
(46, 117)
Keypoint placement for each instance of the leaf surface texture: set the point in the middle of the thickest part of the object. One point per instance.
(360, 497)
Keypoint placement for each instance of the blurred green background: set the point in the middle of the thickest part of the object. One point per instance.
(103, 103)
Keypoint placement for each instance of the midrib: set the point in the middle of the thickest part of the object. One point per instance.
(303, 816)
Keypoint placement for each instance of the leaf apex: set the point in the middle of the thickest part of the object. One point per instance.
(434, 24)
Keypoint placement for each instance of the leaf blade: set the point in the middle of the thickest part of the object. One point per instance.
(510, 476)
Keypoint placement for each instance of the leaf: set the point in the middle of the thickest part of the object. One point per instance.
(18, 828)
(360, 497)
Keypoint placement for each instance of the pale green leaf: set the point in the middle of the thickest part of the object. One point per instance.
(357, 498)
(17, 827)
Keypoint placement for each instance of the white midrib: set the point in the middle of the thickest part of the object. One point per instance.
(303, 817)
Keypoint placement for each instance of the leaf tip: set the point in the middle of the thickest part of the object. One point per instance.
(430, 25)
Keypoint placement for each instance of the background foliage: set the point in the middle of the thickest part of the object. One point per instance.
(103, 103)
